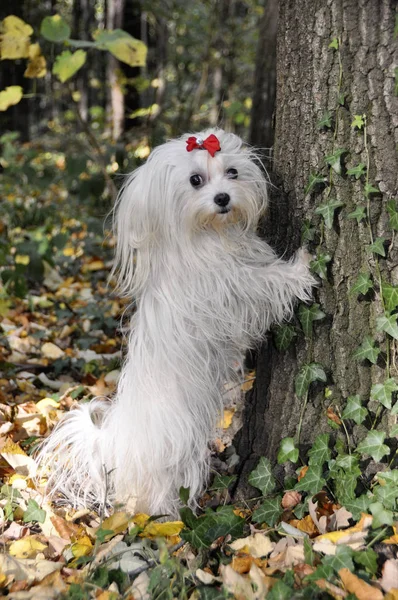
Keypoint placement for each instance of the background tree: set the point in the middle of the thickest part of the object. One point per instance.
(336, 119)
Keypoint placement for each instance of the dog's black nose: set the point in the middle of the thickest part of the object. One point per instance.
(222, 199)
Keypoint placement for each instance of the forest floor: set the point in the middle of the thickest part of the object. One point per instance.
(60, 344)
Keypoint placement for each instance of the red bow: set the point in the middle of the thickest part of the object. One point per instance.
(211, 144)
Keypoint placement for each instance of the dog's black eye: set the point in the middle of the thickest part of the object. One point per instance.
(232, 173)
(196, 180)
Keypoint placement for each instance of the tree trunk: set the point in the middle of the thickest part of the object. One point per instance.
(308, 85)
(115, 103)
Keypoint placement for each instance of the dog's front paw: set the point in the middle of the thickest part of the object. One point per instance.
(304, 257)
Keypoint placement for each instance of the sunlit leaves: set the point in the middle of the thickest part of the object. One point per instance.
(377, 247)
(307, 315)
(67, 64)
(358, 121)
(367, 350)
(354, 410)
(388, 323)
(373, 445)
(362, 285)
(319, 264)
(10, 96)
(14, 38)
(262, 477)
(37, 66)
(55, 29)
(382, 392)
(283, 336)
(327, 211)
(123, 46)
(334, 44)
(308, 374)
(287, 451)
(334, 160)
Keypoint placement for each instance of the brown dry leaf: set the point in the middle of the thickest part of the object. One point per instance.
(359, 587)
(340, 518)
(66, 530)
(307, 525)
(389, 580)
(37, 66)
(242, 563)
(302, 472)
(21, 463)
(332, 416)
(320, 522)
(258, 545)
(334, 591)
(236, 584)
(291, 499)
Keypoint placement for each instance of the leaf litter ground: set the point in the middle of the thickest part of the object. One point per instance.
(61, 343)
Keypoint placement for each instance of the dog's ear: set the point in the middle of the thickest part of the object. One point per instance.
(138, 217)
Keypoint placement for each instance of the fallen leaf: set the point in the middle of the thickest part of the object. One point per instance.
(205, 577)
(18, 459)
(241, 564)
(307, 525)
(236, 584)
(291, 499)
(117, 523)
(51, 351)
(169, 528)
(332, 416)
(392, 594)
(257, 545)
(359, 587)
(389, 578)
(226, 419)
(26, 547)
(82, 547)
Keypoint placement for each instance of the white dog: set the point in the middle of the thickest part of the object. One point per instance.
(207, 288)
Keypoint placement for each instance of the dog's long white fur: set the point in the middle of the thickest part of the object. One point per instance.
(206, 289)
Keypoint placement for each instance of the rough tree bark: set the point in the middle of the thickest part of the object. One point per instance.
(307, 80)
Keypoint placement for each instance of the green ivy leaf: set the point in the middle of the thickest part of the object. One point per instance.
(362, 285)
(359, 214)
(312, 481)
(334, 44)
(327, 211)
(55, 29)
(388, 477)
(356, 506)
(357, 171)
(394, 430)
(367, 350)
(334, 159)
(381, 516)
(33, 512)
(392, 211)
(354, 410)
(359, 121)
(382, 392)
(307, 315)
(387, 495)
(370, 189)
(307, 232)
(287, 451)
(212, 525)
(367, 559)
(341, 98)
(269, 511)
(377, 247)
(262, 478)
(184, 494)
(319, 265)
(319, 453)
(314, 180)
(306, 375)
(390, 296)
(222, 482)
(283, 336)
(341, 560)
(388, 323)
(325, 122)
(373, 445)
(280, 591)
(67, 64)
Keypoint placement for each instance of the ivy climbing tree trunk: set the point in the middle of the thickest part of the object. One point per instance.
(335, 60)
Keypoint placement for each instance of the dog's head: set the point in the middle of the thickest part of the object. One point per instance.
(184, 189)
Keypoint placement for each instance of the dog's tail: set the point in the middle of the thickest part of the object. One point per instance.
(75, 456)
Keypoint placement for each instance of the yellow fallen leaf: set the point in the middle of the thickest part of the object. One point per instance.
(27, 547)
(226, 419)
(18, 459)
(392, 594)
(83, 547)
(257, 545)
(95, 265)
(45, 403)
(140, 519)
(14, 38)
(167, 529)
(359, 587)
(50, 350)
(333, 536)
(117, 523)
(393, 539)
(307, 525)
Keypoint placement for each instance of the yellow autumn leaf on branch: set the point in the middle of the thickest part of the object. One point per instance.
(37, 66)
(14, 38)
(10, 96)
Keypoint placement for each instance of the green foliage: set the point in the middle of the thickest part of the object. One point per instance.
(390, 296)
(269, 511)
(288, 451)
(314, 180)
(327, 211)
(262, 477)
(308, 374)
(55, 29)
(320, 452)
(334, 160)
(284, 336)
(312, 482)
(319, 264)
(367, 350)
(357, 171)
(377, 247)
(359, 214)
(373, 445)
(362, 285)
(202, 531)
(33, 512)
(307, 315)
(67, 64)
(354, 410)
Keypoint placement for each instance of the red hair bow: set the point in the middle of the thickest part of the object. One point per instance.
(211, 144)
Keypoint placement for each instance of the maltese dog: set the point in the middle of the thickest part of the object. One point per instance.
(207, 288)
